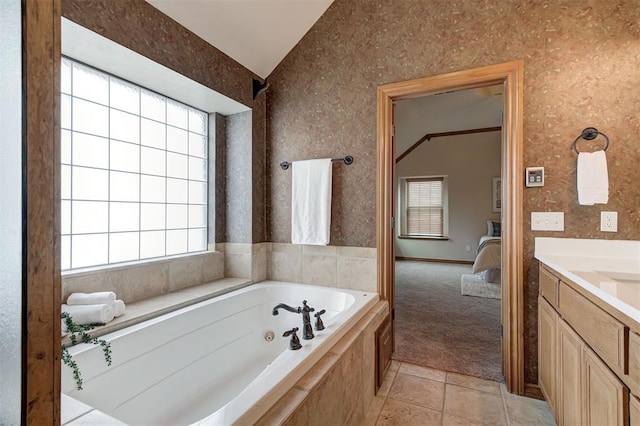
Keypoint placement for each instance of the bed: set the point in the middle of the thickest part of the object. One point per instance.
(485, 280)
(488, 260)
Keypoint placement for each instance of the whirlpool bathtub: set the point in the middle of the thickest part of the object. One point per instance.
(218, 362)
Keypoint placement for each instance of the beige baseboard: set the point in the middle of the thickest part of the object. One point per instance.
(421, 259)
(533, 391)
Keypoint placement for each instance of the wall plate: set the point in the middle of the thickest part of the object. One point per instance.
(534, 176)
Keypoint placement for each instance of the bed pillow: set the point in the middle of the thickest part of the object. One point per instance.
(493, 229)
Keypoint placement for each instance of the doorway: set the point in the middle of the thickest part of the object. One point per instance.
(510, 75)
(448, 149)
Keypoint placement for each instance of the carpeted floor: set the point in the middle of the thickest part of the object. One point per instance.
(438, 327)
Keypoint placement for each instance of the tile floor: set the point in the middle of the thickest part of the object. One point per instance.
(413, 395)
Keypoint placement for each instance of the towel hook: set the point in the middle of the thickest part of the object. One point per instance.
(590, 133)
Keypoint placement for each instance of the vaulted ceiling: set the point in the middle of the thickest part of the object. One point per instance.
(256, 33)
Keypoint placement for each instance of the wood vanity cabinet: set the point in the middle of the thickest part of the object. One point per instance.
(569, 375)
(582, 355)
(547, 338)
(634, 411)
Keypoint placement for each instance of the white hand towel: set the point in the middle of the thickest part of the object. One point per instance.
(593, 179)
(311, 201)
(118, 308)
(97, 298)
(89, 314)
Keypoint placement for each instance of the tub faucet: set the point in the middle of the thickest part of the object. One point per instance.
(305, 310)
(307, 330)
(286, 307)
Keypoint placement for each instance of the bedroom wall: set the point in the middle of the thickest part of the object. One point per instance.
(469, 161)
(581, 62)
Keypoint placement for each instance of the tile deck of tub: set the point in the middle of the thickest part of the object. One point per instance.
(154, 306)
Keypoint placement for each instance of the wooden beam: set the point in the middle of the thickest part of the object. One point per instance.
(430, 136)
(41, 237)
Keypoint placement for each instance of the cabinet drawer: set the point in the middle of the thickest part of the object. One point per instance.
(634, 363)
(548, 285)
(606, 335)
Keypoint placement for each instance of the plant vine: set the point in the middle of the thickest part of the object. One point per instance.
(75, 331)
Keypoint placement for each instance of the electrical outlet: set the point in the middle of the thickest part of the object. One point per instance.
(468, 247)
(609, 221)
(547, 221)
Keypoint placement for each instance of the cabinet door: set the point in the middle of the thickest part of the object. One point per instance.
(570, 349)
(634, 411)
(606, 398)
(547, 334)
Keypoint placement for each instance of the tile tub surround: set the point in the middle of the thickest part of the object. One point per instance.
(353, 268)
(340, 388)
(609, 269)
(136, 281)
(246, 260)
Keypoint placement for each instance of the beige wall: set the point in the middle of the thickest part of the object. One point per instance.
(469, 162)
(581, 61)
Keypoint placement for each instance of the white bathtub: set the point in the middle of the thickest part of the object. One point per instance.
(209, 363)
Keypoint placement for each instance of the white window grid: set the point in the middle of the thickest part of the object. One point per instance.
(191, 201)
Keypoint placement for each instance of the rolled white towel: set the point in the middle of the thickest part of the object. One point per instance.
(63, 328)
(118, 307)
(97, 298)
(89, 314)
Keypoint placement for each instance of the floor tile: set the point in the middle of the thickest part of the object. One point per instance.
(523, 411)
(387, 382)
(374, 410)
(473, 383)
(418, 391)
(474, 405)
(451, 420)
(425, 372)
(395, 365)
(404, 414)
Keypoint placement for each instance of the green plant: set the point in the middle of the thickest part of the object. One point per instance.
(76, 330)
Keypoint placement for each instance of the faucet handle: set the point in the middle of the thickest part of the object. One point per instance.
(319, 323)
(294, 344)
(305, 307)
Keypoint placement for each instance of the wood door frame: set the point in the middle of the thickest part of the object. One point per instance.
(509, 74)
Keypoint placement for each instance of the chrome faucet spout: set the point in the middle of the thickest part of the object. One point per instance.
(285, 307)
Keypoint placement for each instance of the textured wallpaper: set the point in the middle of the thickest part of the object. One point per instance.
(582, 68)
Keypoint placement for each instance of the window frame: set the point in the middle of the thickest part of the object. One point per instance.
(404, 183)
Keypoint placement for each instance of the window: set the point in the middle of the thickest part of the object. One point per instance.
(134, 171)
(424, 207)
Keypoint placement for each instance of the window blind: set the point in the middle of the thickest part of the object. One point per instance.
(425, 206)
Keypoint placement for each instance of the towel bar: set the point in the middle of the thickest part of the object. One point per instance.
(590, 133)
(348, 160)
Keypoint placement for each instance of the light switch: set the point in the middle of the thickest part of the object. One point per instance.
(547, 221)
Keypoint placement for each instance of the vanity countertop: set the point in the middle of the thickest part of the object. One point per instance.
(608, 269)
